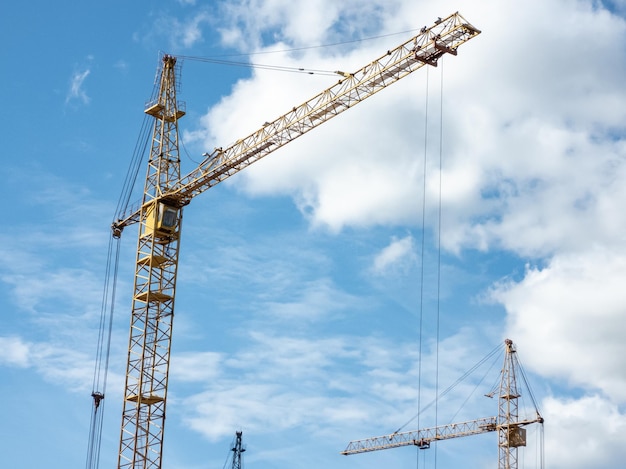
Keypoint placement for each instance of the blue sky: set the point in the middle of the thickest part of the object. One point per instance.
(300, 287)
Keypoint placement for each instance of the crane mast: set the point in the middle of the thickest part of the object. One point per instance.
(511, 434)
(511, 431)
(238, 451)
(156, 264)
(166, 193)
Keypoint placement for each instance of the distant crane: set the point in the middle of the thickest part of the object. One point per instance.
(238, 451)
(166, 192)
(511, 431)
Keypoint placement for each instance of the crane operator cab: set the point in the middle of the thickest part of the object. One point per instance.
(161, 220)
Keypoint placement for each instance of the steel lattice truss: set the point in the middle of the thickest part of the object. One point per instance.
(445, 36)
(145, 396)
(423, 437)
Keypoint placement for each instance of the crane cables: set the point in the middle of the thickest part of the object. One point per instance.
(107, 309)
(103, 350)
(423, 250)
(136, 163)
(437, 247)
(276, 68)
(465, 375)
(222, 59)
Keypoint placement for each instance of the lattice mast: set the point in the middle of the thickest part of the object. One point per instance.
(160, 220)
(510, 434)
(238, 451)
(166, 192)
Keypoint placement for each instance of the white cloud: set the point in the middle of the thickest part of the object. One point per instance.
(398, 252)
(531, 162)
(200, 366)
(312, 301)
(191, 32)
(50, 286)
(14, 352)
(569, 317)
(297, 23)
(59, 364)
(77, 91)
(180, 33)
(284, 383)
(280, 382)
(51, 280)
(582, 433)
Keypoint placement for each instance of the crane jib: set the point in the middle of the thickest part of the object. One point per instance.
(445, 36)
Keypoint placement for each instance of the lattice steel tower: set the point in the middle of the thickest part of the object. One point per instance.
(238, 451)
(160, 219)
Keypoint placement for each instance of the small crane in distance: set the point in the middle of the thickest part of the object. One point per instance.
(166, 192)
(238, 449)
(511, 431)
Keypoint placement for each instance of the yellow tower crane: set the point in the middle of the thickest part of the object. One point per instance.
(511, 431)
(166, 192)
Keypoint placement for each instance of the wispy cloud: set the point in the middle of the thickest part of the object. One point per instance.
(14, 352)
(180, 33)
(281, 382)
(57, 363)
(400, 252)
(76, 91)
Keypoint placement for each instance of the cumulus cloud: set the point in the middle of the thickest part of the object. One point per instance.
(298, 23)
(570, 317)
(530, 163)
(585, 432)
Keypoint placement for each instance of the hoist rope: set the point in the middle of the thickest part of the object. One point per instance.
(525, 379)
(437, 325)
(103, 351)
(422, 255)
(136, 163)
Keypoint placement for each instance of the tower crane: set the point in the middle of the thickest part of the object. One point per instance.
(511, 431)
(238, 450)
(166, 192)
